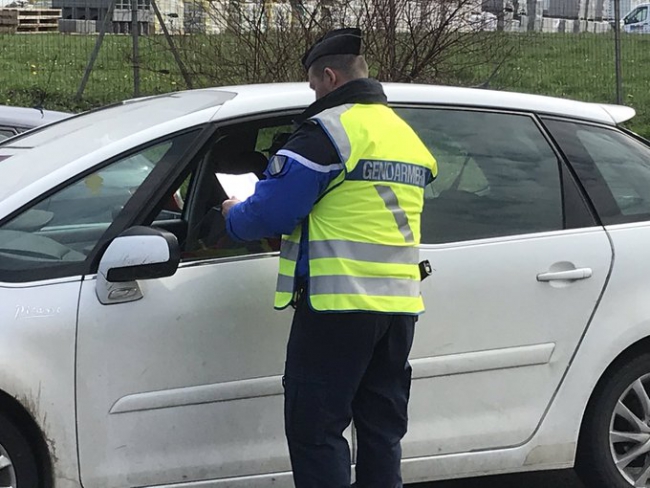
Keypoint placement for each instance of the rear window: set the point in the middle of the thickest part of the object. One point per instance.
(613, 167)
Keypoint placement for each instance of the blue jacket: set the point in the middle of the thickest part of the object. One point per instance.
(298, 175)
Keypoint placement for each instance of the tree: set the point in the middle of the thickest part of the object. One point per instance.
(405, 40)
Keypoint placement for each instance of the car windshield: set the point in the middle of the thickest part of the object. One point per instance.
(39, 152)
(638, 15)
(112, 123)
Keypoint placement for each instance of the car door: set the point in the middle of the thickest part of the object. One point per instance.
(184, 385)
(519, 264)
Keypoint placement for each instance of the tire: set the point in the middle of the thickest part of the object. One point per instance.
(18, 466)
(621, 403)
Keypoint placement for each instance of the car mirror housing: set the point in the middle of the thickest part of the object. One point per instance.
(139, 253)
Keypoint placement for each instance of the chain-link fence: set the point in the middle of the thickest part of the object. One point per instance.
(554, 47)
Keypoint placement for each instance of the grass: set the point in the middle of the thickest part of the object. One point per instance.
(49, 67)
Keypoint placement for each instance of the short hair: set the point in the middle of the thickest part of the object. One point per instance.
(350, 66)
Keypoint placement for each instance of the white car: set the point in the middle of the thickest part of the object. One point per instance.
(638, 20)
(140, 347)
(14, 120)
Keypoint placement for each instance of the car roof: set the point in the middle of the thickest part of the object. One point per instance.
(27, 118)
(46, 156)
(276, 96)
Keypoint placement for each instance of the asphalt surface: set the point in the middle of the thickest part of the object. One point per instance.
(547, 479)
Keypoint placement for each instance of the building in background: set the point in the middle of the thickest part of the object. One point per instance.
(96, 10)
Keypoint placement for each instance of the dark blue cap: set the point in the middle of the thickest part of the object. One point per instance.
(338, 41)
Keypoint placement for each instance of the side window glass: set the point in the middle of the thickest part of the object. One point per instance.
(613, 167)
(497, 175)
(641, 15)
(63, 228)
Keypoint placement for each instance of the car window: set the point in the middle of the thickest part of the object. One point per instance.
(63, 228)
(639, 15)
(613, 167)
(497, 175)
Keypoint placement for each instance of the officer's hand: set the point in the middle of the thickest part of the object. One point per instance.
(227, 205)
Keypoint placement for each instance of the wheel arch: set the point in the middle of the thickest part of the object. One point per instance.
(16, 411)
(642, 346)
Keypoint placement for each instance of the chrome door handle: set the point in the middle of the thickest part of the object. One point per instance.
(570, 275)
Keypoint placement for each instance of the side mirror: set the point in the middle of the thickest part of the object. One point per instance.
(139, 253)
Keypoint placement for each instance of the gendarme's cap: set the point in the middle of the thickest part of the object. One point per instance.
(338, 41)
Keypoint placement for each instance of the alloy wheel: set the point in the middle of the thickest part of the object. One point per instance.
(629, 433)
(7, 471)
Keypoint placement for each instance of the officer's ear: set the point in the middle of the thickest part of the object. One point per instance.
(331, 77)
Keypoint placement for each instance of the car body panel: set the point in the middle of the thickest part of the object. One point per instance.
(214, 434)
(38, 330)
(621, 321)
(466, 313)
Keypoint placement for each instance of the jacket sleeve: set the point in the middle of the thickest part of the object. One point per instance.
(295, 178)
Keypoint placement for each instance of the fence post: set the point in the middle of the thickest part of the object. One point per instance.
(617, 43)
(172, 46)
(135, 31)
(98, 44)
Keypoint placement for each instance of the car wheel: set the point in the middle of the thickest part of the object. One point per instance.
(18, 467)
(614, 448)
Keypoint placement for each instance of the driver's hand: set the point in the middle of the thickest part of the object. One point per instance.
(226, 205)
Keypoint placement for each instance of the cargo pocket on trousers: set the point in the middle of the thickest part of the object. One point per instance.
(304, 412)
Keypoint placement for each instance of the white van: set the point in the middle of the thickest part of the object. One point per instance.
(638, 20)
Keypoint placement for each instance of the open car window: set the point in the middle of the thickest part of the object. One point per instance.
(234, 162)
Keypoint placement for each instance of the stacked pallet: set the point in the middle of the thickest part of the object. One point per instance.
(29, 20)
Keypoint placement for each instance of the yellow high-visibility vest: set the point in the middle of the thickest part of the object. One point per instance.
(364, 232)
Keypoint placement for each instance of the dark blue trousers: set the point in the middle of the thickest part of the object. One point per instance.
(342, 367)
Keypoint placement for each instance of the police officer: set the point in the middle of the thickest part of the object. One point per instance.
(346, 191)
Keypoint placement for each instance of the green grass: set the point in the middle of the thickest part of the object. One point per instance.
(50, 66)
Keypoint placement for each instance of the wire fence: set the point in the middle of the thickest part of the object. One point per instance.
(561, 48)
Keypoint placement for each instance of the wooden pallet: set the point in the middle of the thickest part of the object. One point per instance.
(24, 20)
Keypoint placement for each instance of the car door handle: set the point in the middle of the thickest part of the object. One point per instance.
(570, 275)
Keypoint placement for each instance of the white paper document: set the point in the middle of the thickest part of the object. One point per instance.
(239, 186)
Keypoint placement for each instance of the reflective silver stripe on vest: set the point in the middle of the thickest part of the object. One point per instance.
(330, 120)
(289, 250)
(362, 251)
(285, 284)
(354, 285)
(390, 199)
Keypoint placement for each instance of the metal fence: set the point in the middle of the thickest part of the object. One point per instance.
(562, 48)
